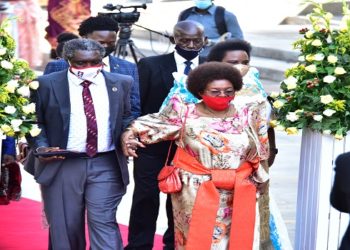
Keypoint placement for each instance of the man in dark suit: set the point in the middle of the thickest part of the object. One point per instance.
(340, 194)
(104, 29)
(156, 80)
(82, 110)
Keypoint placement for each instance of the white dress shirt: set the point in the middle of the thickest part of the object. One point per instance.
(77, 126)
(180, 62)
(106, 65)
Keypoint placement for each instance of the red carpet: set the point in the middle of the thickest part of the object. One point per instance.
(21, 228)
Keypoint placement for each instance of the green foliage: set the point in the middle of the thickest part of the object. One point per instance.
(17, 113)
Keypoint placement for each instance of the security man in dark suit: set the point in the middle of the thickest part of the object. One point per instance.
(340, 195)
(156, 80)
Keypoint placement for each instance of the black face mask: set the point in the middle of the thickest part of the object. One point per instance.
(187, 54)
(109, 50)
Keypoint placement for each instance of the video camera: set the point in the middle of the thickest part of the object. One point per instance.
(125, 21)
(124, 17)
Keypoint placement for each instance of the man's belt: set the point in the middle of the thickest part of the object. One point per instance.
(84, 155)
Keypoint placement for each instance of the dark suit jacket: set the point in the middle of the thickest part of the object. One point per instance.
(340, 194)
(53, 114)
(117, 66)
(156, 80)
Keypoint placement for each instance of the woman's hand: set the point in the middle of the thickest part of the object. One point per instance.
(130, 143)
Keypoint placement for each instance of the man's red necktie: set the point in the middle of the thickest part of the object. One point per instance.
(91, 139)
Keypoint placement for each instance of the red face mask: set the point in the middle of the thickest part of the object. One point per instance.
(217, 103)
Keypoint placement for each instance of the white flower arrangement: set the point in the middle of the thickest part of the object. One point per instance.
(17, 112)
(316, 91)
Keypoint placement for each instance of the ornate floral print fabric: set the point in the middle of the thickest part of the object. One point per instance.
(215, 143)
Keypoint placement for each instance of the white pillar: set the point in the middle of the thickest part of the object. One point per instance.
(318, 225)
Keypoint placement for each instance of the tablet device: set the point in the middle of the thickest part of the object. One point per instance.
(65, 153)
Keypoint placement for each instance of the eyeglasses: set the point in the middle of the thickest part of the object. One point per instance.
(226, 92)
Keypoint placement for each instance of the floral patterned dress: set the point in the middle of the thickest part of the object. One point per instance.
(216, 143)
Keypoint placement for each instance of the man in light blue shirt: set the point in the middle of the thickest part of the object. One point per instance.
(216, 21)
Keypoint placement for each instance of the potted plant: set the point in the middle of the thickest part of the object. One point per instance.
(17, 112)
(316, 91)
(315, 97)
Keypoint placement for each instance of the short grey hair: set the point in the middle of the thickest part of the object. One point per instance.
(73, 45)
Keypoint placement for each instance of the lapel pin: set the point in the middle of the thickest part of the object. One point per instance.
(114, 89)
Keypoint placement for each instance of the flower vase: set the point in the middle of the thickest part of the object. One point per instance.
(2, 137)
(318, 225)
(3, 197)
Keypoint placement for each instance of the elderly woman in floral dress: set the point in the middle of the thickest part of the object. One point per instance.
(219, 150)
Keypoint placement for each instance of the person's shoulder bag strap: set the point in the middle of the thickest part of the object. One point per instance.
(182, 131)
(220, 20)
(185, 14)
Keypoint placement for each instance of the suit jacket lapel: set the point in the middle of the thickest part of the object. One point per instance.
(113, 100)
(202, 59)
(167, 68)
(114, 65)
(61, 90)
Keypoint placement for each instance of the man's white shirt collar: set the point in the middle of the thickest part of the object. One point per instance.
(106, 64)
(179, 59)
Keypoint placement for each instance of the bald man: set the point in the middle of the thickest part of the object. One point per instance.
(156, 81)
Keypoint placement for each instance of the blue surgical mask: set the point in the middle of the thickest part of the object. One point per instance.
(203, 4)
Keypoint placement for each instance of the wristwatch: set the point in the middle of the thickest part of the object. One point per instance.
(274, 150)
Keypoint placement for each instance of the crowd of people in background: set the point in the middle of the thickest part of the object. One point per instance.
(201, 108)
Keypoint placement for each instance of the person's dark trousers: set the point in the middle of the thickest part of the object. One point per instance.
(145, 204)
(87, 185)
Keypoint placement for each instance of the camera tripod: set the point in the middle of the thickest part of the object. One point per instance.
(124, 41)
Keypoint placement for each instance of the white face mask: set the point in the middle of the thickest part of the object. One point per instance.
(242, 68)
(87, 73)
(203, 4)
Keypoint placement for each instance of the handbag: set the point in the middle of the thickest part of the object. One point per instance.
(168, 178)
